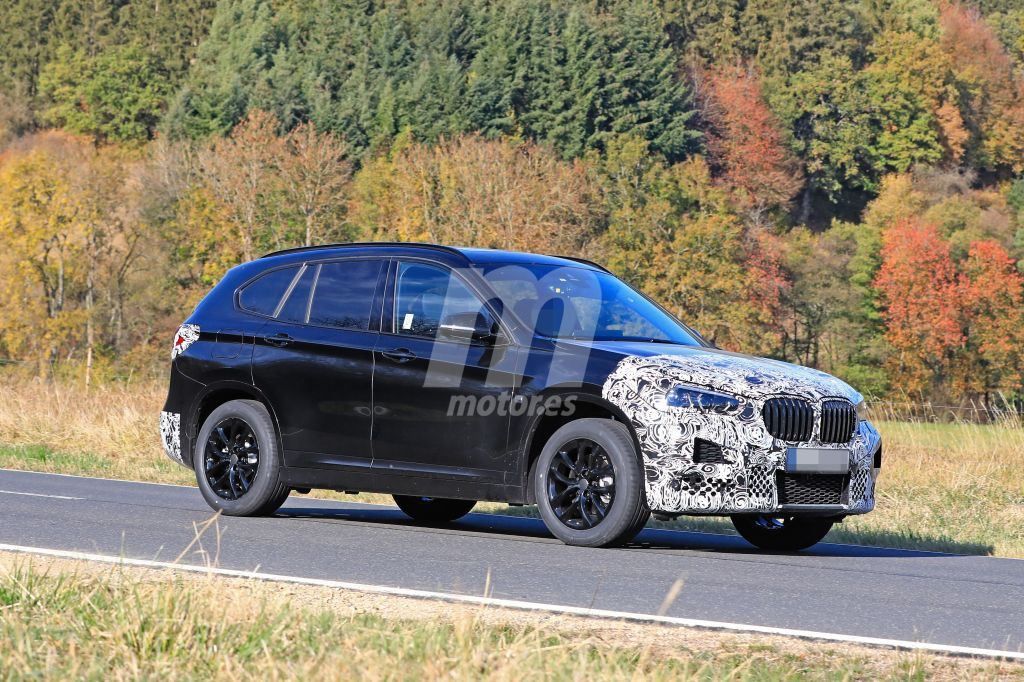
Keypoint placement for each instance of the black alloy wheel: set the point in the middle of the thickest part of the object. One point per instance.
(232, 458)
(588, 483)
(237, 460)
(581, 484)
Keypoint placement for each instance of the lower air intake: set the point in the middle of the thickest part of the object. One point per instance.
(811, 488)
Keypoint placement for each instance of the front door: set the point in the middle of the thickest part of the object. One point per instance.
(440, 404)
(314, 362)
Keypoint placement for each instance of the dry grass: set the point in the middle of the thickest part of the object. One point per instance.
(953, 487)
(73, 620)
(108, 430)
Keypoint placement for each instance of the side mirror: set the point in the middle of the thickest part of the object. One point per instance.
(467, 327)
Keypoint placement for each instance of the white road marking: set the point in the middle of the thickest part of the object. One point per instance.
(528, 606)
(93, 478)
(54, 497)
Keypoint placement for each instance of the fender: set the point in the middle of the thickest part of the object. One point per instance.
(232, 390)
(589, 402)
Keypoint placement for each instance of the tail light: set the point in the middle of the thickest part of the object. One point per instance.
(185, 337)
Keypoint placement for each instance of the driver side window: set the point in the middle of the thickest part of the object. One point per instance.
(425, 295)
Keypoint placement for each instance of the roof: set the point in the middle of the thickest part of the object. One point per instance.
(472, 254)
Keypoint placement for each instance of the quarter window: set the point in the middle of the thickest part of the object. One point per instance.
(263, 295)
(343, 295)
(425, 294)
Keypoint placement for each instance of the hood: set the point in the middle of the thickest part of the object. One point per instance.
(726, 372)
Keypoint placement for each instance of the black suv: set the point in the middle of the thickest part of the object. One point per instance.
(446, 376)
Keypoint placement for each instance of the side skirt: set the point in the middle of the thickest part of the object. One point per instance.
(390, 483)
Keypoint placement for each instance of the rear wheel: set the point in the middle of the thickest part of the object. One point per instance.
(237, 462)
(782, 533)
(588, 484)
(433, 509)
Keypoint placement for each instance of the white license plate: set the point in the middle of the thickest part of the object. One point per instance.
(818, 460)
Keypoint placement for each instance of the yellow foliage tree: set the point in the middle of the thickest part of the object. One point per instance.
(475, 192)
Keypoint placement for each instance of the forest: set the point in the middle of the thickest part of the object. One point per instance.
(838, 183)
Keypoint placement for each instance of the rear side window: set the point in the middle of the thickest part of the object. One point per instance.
(262, 295)
(343, 296)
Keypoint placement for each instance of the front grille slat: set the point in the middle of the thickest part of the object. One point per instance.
(838, 421)
(814, 489)
(788, 419)
(787, 412)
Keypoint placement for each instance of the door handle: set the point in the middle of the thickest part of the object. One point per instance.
(399, 354)
(279, 340)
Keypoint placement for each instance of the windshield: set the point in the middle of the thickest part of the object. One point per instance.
(576, 303)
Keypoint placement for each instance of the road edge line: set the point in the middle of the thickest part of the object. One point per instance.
(904, 645)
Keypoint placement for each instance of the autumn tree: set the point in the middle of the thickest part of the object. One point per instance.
(476, 192)
(992, 298)
(993, 91)
(73, 241)
(241, 171)
(315, 173)
(921, 305)
(747, 143)
(41, 270)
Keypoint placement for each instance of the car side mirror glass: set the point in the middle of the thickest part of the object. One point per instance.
(467, 327)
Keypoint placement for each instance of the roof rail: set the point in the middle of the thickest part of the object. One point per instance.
(299, 249)
(584, 261)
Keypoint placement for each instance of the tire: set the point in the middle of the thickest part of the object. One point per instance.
(264, 493)
(782, 533)
(433, 509)
(572, 487)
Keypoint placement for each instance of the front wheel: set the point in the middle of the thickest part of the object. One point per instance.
(782, 533)
(589, 484)
(433, 509)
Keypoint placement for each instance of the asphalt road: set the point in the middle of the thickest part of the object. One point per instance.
(907, 595)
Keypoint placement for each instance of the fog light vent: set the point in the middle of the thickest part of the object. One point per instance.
(706, 452)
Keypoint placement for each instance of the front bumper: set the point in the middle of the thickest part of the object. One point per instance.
(753, 478)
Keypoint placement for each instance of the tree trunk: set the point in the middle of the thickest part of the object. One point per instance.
(805, 205)
(89, 331)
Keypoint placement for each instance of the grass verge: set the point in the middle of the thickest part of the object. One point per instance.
(945, 487)
(64, 619)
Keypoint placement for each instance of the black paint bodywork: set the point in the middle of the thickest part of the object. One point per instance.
(351, 417)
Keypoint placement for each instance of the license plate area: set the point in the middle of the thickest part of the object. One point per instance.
(817, 460)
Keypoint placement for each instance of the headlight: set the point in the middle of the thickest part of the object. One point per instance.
(862, 410)
(687, 396)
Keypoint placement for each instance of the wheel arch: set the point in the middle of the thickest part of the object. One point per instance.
(541, 428)
(213, 396)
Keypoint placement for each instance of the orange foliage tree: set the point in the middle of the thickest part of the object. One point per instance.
(921, 304)
(992, 296)
(994, 93)
(747, 144)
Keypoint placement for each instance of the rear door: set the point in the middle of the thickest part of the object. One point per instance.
(314, 362)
